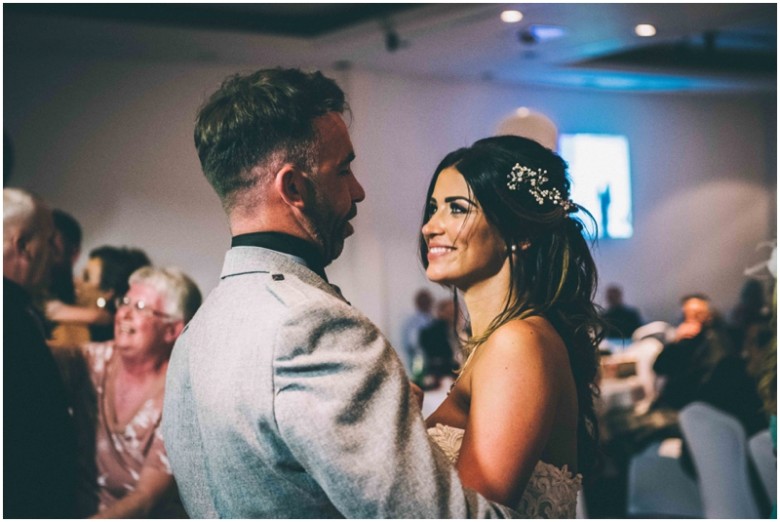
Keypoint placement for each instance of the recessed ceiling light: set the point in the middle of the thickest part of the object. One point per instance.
(644, 30)
(511, 16)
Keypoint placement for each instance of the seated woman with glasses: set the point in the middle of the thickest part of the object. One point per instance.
(103, 281)
(117, 389)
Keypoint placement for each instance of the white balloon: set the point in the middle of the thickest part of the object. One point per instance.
(530, 124)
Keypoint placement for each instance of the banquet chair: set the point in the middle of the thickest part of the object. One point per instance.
(658, 330)
(764, 459)
(718, 447)
(659, 488)
(644, 353)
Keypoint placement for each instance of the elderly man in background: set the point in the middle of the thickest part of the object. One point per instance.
(687, 363)
(117, 388)
(39, 442)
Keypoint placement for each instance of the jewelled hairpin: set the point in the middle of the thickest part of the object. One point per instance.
(535, 181)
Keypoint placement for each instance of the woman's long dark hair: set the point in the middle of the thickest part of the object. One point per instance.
(555, 276)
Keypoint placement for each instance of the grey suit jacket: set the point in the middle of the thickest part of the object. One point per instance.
(284, 401)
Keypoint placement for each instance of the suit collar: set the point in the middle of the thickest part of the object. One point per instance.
(249, 259)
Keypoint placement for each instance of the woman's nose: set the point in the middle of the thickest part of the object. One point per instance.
(431, 227)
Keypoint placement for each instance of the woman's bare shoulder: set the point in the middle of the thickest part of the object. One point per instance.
(532, 336)
(521, 345)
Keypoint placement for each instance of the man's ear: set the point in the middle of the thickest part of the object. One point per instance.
(293, 187)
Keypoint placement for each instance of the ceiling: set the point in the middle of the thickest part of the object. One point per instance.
(698, 47)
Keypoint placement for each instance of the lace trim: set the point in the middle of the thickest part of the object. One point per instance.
(551, 492)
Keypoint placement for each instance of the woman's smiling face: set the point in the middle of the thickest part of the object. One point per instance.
(463, 247)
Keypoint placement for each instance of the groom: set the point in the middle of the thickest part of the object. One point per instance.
(283, 401)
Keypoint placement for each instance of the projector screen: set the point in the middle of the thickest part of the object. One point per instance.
(600, 174)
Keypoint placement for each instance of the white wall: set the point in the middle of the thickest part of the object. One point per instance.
(111, 142)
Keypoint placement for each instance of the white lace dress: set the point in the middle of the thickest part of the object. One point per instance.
(551, 492)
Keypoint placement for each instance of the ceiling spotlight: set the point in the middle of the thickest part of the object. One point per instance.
(511, 16)
(644, 30)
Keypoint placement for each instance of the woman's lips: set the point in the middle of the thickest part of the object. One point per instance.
(437, 251)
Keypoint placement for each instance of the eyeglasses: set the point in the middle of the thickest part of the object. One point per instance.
(141, 307)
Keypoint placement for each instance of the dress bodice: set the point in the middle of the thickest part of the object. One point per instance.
(551, 492)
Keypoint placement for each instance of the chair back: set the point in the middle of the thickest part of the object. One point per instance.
(718, 446)
(659, 488)
(764, 459)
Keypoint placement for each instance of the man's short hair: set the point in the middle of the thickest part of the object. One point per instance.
(263, 117)
(180, 293)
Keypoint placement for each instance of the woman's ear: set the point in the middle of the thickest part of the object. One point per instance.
(291, 184)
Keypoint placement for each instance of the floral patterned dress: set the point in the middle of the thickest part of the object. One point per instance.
(113, 455)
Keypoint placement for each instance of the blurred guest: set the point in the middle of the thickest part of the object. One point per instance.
(117, 390)
(104, 280)
(67, 242)
(687, 363)
(700, 342)
(752, 305)
(439, 343)
(39, 443)
(621, 320)
(733, 386)
(750, 309)
(767, 385)
(413, 354)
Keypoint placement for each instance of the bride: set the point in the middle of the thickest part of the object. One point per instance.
(519, 422)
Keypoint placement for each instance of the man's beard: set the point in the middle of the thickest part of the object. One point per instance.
(326, 229)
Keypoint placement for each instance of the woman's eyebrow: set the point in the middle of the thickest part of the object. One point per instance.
(458, 198)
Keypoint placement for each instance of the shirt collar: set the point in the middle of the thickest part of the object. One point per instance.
(285, 244)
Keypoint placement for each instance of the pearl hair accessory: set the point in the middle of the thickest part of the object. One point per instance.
(535, 181)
